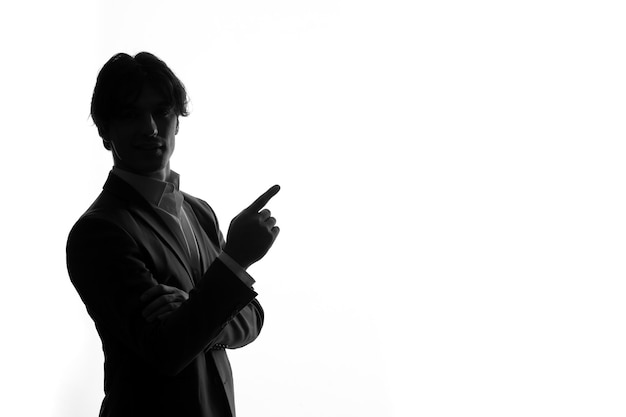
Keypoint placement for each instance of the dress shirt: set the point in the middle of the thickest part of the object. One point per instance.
(167, 199)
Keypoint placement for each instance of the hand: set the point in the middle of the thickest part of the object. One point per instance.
(161, 300)
(252, 232)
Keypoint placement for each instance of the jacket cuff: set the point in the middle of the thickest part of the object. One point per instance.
(236, 269)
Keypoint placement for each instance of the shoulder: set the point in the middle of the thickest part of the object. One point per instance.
(200, 207)
(106, 208)
(98, 225)
(108, 214)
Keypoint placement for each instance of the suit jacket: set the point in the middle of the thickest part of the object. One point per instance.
(177, 366)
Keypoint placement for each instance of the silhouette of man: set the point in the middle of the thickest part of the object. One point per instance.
(167, 293)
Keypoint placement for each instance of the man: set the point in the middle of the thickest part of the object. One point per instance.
(166, 292)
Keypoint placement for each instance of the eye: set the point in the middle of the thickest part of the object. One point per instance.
(164, 111)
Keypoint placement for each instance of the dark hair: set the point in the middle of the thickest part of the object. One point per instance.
(120, 81)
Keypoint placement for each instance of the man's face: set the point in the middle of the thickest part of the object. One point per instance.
(143, 135)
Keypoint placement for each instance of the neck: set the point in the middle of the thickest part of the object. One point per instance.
(161, 174)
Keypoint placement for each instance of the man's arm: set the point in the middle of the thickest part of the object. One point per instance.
(244, 328)
(106, 267)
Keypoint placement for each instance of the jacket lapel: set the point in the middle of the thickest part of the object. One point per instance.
(170, 233)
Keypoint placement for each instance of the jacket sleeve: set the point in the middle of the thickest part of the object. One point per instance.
(243, 329)
(106, 267)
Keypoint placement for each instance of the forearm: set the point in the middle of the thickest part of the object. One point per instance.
(210, 311)
(243, 329)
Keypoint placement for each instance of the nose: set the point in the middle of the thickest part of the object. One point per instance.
(149, 126)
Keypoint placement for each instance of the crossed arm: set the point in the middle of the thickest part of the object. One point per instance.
(107, 268)
(161, 300)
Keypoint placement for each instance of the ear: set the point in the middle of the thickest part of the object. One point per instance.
(105, 139)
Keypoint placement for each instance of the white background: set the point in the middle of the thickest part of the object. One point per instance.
(452, 205)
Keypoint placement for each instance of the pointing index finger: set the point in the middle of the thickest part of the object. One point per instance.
(260, 202)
